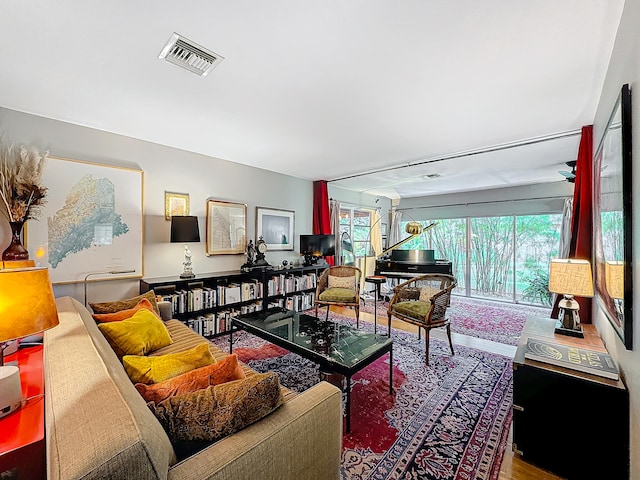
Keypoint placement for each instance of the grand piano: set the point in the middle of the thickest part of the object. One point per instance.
(411, 263)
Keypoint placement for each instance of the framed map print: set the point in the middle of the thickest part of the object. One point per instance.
(91, 222)
(226, 227)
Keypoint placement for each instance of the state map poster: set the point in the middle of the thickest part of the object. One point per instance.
(91, 221)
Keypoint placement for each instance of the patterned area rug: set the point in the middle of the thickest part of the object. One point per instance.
(498, 322)
(446, 421)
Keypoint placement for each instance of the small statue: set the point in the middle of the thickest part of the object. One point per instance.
(250, 252)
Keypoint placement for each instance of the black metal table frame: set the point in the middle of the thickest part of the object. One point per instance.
(325, 364)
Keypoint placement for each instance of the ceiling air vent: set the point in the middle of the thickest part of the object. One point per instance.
(189, 55)
(429, 176)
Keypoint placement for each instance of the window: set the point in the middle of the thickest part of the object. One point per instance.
(357, 224)
(505, 258)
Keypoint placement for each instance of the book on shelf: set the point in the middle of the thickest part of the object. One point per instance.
(580, 359)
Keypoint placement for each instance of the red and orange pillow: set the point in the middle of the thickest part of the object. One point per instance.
(124, 314)
(226, 370)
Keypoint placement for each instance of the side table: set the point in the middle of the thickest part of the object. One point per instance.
(377, 280)
(22, 453)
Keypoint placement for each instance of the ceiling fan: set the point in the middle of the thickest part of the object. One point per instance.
(569, 176)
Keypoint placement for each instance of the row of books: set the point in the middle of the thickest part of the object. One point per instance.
(202, 298)
(212, 324)
(283, 283)
(297, 303)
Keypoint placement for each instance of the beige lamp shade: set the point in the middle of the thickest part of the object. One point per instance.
(614, 278)
(571, 277)
(27, 304)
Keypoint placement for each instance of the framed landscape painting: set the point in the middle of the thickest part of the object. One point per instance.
(91, 222)
(276, 227)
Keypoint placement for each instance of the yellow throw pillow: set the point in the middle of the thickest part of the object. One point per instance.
(141, 334)
(158, 369)
(342, 282)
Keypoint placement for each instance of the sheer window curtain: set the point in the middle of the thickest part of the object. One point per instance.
(334, 213)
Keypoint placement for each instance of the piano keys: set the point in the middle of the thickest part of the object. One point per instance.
(411, 263)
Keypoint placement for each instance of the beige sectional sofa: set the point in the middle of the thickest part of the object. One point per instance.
(99, 427)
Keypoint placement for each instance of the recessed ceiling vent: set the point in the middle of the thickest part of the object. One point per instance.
(429, 176)
(189, 55)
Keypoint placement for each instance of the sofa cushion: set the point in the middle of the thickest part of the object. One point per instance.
(218, 411)
(157, 369)
(226, 370)
(143, 333)
(111, 307)
(412, 308)
(124, 314)
(336, 294)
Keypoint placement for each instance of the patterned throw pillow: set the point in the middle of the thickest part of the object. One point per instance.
(141, 334)
(124, 314)
(427, 292)
(158, 369)
(225, 370)
(218, 411)
(342, 282)
(111, 307)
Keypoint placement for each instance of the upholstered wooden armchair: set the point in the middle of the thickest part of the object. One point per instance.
(339, 286)
(423, 301)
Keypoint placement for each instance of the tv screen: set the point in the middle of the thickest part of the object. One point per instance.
(317, 245)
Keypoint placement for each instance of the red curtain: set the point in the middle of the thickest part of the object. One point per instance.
(321, 215)
(582, 221)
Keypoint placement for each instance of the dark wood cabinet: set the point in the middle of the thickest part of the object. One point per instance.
(573, 424)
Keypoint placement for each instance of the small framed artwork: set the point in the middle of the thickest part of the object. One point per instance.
(175, 204)
(276, 227)
(226, 227)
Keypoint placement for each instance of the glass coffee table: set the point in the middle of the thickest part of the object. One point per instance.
(335, 347)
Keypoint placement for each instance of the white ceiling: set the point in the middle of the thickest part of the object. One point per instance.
(326, 89)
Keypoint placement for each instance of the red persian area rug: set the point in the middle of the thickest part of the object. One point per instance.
(446, 421)
(495, 321)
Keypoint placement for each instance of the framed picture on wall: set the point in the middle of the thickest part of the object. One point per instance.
(226, 227)
(91, 223)
(176, 204)
(276, 227)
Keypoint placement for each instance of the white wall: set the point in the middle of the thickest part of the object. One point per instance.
(164, 169)
(625, 68)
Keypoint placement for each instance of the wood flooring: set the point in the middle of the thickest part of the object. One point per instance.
(513, 467)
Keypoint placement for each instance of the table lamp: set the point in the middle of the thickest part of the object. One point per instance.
(27, 306)
(614, 281)
(570, 277)
(185, 230)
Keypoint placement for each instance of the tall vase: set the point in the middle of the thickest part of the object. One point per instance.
(15, 251)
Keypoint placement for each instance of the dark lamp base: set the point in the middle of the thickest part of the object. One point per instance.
(569, 331)
(187, 275)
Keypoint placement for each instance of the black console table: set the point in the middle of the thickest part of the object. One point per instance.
(571, 423)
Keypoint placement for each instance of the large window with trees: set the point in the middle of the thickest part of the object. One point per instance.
(357, 224)
(505, 258)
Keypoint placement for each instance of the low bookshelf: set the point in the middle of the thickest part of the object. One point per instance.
(207, 302)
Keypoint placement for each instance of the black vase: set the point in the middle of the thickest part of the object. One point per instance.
(15, 251)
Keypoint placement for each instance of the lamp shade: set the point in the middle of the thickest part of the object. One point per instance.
(571, 277)
(614, 278)
(184, 229)
(27, 305)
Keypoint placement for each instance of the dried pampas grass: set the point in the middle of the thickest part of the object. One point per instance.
(21, 190)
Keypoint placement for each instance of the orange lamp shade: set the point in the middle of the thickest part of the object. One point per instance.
(27, 304)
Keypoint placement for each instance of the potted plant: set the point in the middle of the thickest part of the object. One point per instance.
(21, 192)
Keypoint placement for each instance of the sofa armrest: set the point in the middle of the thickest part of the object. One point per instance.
(301, 439)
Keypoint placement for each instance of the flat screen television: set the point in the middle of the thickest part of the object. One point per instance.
(315, 246)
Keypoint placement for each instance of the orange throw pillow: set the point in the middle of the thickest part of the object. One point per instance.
(223, 371)
(124, 314)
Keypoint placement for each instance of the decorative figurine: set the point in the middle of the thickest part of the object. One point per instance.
(250, 253)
